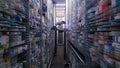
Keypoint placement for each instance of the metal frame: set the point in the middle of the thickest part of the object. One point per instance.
(58, 38)
(77, 53)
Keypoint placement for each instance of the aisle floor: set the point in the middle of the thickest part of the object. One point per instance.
(58, 61)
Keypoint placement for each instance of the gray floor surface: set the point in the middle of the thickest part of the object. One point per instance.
(58, 61)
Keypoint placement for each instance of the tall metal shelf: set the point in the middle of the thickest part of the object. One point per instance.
(101, 36)
(21, 34)
(76, 35)
(13, 44)
(94, 31)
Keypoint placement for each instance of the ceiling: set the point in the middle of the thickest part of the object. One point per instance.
(59, 1)
(60, 8)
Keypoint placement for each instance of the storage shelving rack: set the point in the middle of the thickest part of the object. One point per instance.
(47, 33)
(43, 45)
(104, 27)
(95, 34)
(35, 34)
(22, 34)
(75, 37)
(13, 34)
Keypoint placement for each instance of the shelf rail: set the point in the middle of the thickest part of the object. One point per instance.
(77, 53)
(50, 61)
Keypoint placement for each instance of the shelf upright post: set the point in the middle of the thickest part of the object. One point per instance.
(87, 58)
(26, 3)
(40, 27)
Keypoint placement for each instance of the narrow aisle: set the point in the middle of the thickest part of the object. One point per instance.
(58, 61)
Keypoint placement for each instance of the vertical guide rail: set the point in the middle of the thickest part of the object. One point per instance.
(41, 29)
(55, 43)
(65, 46)
(87, 58)
(26, 4)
